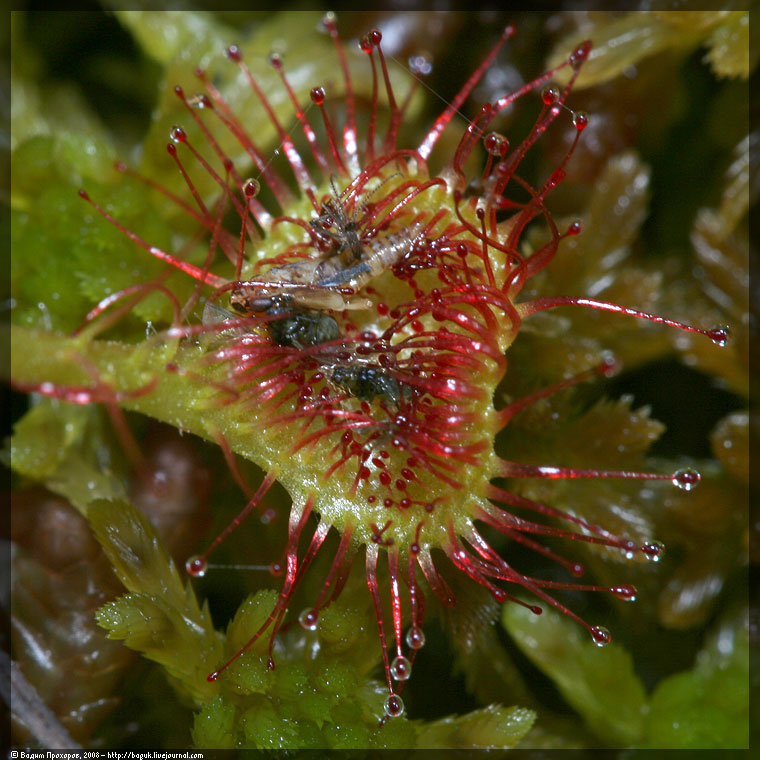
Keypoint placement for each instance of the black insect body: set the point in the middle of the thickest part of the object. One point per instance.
(297, 328)
(302, 327)
(367, 383)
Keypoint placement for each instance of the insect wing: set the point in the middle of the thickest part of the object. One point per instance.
(215, 315)
(316, 297)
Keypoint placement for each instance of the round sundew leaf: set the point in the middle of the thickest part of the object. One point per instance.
(599, 683)
(196, 404)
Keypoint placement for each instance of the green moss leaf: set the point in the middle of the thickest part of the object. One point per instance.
(214, 725)
(707, 707)
(251, 615)
(41, 108)
(162, 633)
(161, 618)
(64, 446)
(707, 528)
(164, 35)
(128, 264)
(489, 728)
(730, 444)
(621, 192)
(624, 40)
(730, 51)
(46, 226)
(599, 683)
(60, 244)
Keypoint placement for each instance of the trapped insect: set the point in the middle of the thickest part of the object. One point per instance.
(368, 383)
(342, 229)
(324, 284)
(287, 325)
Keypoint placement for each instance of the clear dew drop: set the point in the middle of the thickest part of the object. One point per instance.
(686, 479)
(196, 566)
(600, 635)
(308, 620)
(653, 550)
(401, 669)
(394, 706)
(415, 637)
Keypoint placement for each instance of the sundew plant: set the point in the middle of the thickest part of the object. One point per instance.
(381, 379)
